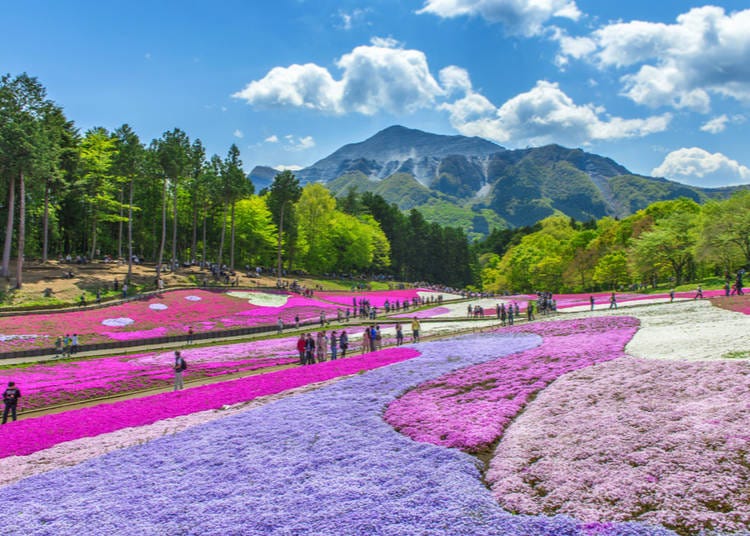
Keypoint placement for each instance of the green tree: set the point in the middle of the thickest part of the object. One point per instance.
(128, 163)
(97, 180)
(612, 270)
(282, 195)
(725, 230)
(670, 243)
(315, 209)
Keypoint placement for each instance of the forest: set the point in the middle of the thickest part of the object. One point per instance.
(108, 194)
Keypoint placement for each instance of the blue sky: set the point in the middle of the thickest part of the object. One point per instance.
(663, 87)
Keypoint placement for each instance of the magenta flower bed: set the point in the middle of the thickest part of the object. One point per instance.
(425, 313)
(172, 313)
(56, 383)
(471, 408)
(651, 441)
(578, 300)
(31, 435)
(376, 298)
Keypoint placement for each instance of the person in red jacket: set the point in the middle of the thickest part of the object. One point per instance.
(301, 348)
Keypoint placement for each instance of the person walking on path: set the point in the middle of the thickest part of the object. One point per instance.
(399, 335)
(10, 399)
(415, 327)
(698, 293)
(343, 343)
(301, 348)
(309, 350)
(334, 346)
(190, 335)
(366, 340)
(671, 295)
(591, 301)
(613, 301)
(279, 326)
(179, 367)
(74, 344)
(58, 346)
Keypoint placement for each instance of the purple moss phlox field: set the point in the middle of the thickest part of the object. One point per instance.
(318, 463)
(654, 441)
(470, 408)
(31, 435)
(213, 311)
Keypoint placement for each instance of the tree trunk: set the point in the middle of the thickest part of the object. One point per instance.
(93, 234)
(119, 230)
(221, 240)
(5, 269)
(231, 244)
(21, 229)
(45, 223)
(278, 257)
(194, 242)
(163, 229)
(205, 217)
(174, 229)
(130, 231)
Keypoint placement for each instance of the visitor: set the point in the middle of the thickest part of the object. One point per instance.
(334, 346)
(58, 346)
(613, 301)
(74, 343)
(671, 295)
(179, 367)
(296, 321)
(415, 327)
(82, 300)
(366, 340)
(591, 302)
(124, 290)
(190, 335)
(321, 346)
(510, 314)
(98, 296)
(66, 345)
(301, 348)
(399, 335)
(373, 338)
(279, 325)
(530, 310)
(343, 343)
(309, 350)
(10, 399)
(378, 338)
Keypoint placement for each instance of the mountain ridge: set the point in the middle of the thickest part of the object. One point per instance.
(473, 178)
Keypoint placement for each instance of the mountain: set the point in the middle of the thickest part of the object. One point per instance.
(476, 184)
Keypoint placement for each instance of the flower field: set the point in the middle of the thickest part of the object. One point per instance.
(585, 431)
(470, 408)
(172, 313)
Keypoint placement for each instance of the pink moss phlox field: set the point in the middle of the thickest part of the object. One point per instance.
(565, 301)
(425, 313)
(469, 409)
(632, 439)
(212, 311)
(55, 383)
(31, 435)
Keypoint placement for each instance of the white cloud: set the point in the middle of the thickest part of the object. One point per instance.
(706, 52)
(545, 114)
(298, 143)
(238, 134)
(454, 79)
(349, 19)
(273, 138)
(523, 17)
(719, 124)
(291, 167)
(698, 167)
(379, 77)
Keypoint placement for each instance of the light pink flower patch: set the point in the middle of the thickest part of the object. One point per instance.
(158, 307)
(662, 442)
(117, 322)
